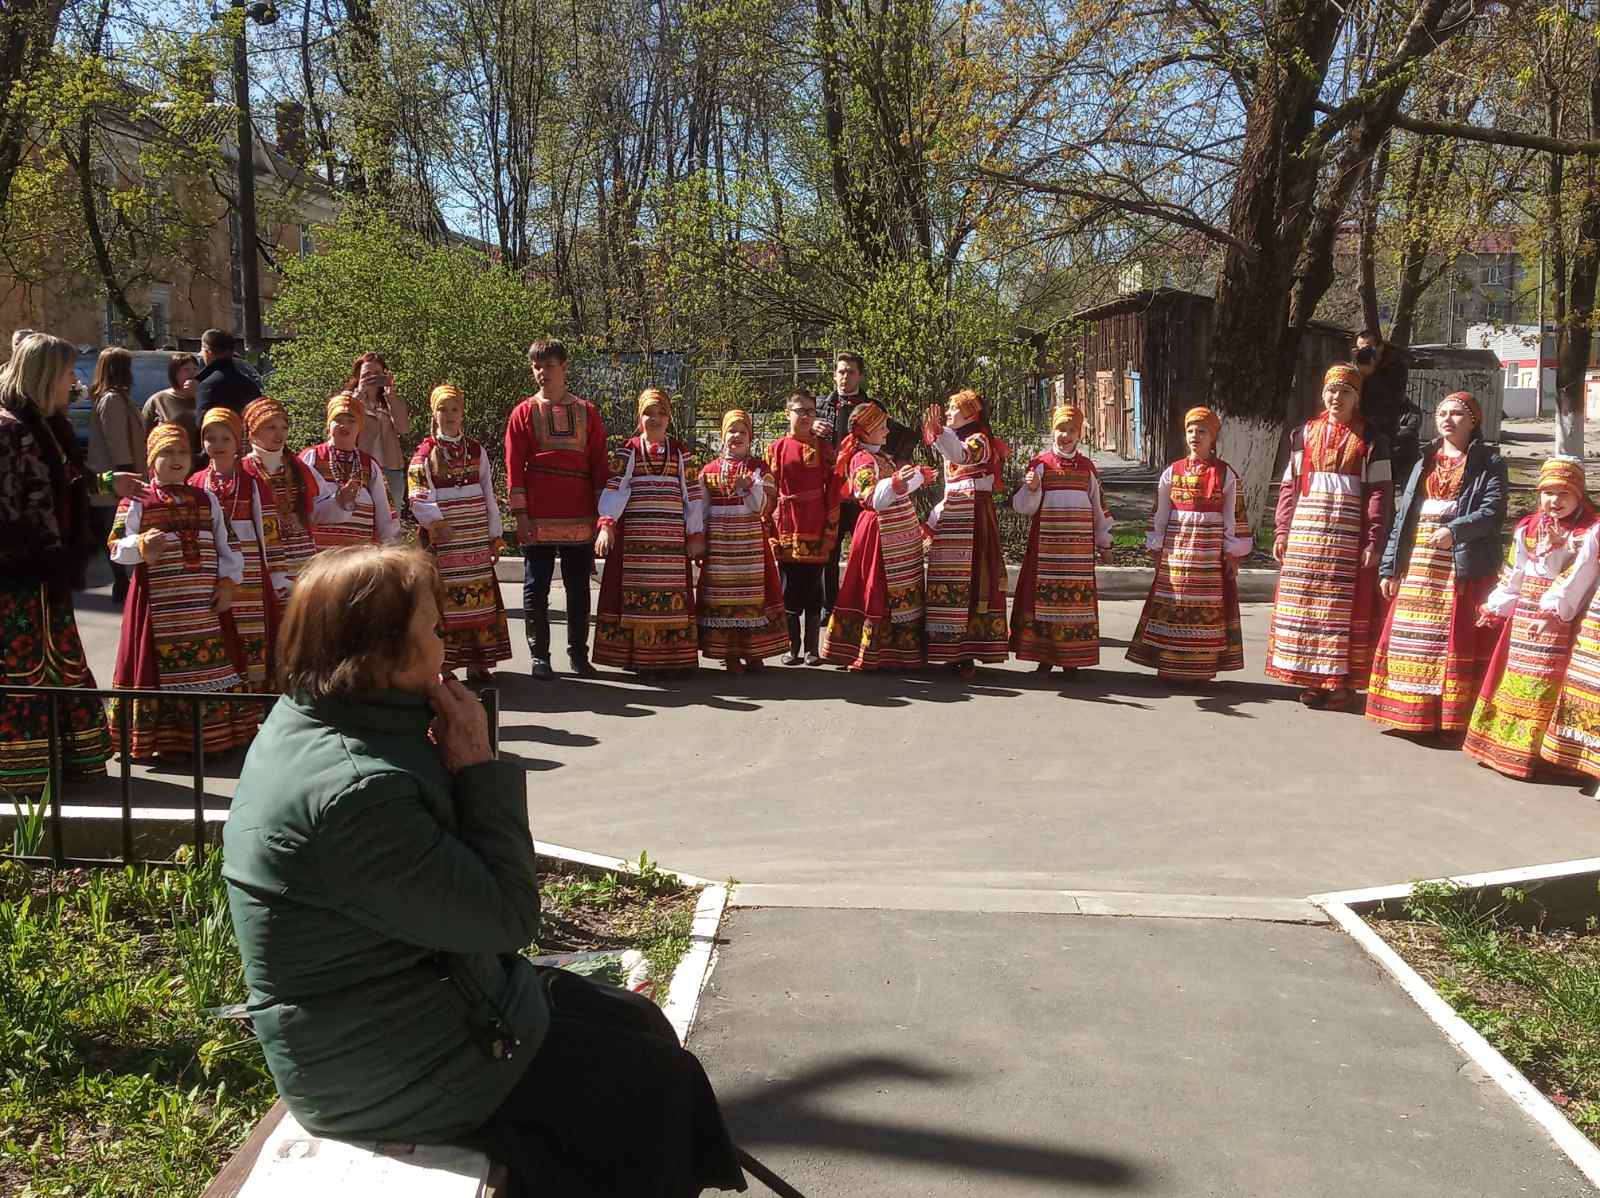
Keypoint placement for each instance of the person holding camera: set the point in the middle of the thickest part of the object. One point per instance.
(386, 421)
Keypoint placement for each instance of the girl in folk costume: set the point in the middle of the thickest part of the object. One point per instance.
(877, 618)
(1055, 614)
(452, 496)
(651, 523)
(1440, 564)
(1189, 629)
(741, 600)
(804, 524)
(301, 498)
(1332, 520)
(1572, 741)
(251, 519)
(1547, 582)
(966, 590)
(356, 477)
(175, 539)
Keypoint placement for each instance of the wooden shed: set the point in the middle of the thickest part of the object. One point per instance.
(1141, 363)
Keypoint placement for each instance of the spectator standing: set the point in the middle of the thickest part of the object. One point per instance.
(45, 540)
(223, 381)
(556, 467)
(175, 405)
(386, 421)
(1384, 403)
(831, 425)
(116, 442)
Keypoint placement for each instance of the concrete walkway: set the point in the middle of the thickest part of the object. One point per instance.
(1033, 936)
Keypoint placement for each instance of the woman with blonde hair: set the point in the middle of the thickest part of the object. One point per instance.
(45, 543)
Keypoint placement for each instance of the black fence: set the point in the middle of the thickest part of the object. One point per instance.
(121, 738)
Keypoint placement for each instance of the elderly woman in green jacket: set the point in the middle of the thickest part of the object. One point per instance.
(382, 880)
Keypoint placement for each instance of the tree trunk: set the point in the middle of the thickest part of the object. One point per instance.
(1252, 374)
(1372, 196)
(1573, 335)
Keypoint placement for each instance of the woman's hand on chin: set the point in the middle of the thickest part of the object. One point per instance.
(460, 728)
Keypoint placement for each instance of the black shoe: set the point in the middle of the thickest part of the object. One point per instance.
(791, 658)
(813, 658)
(580, 664)
(542, 670)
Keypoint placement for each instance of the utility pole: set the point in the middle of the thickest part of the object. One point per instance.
(262, 12)
(1538, 380)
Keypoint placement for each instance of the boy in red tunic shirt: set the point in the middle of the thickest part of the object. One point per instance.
(805, 523)
(556, 467)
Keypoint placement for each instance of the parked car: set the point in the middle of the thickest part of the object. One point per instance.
(149, 376)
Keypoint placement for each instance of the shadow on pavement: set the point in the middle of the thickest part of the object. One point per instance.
(1121, 688)
(617, 693)
(784, 1114)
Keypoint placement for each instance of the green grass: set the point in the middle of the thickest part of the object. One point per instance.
(1534, 995)
(113, 1079)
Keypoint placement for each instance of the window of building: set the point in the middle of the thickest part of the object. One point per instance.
(306, 246)
(1497, 274)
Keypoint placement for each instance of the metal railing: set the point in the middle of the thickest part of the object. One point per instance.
(56, 773)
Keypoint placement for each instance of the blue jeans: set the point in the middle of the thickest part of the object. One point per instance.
(539, 567)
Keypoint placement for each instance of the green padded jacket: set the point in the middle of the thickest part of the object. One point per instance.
(380, 903)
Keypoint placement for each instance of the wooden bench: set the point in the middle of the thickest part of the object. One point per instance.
(283, 1160)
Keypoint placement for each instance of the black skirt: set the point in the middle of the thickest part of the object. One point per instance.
(610, 1105)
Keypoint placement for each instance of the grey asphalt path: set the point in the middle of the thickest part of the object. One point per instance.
(1108, 783)
(898, 1053)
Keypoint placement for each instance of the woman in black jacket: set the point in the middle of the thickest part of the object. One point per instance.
(1443, 555)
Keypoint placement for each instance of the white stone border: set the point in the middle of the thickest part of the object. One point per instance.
(694, 970)
(1578, 1148)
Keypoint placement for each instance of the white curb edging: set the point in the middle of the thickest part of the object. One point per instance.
(694, 970)
(1578, 1148)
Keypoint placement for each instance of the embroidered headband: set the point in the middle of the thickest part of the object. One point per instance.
(1564, 473)
(258, 411)
(1203, 415)
(443, 392)
(345, 404)
(1345, 374)
(868, 421)
(650, 397)
(735, 416)
(228, 417)
(165, 438)
(1068, 414)
(1466, 400)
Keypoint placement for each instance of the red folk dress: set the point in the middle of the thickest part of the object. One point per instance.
(740, 610)
(1189, 629)
(805, 521)
(372, 520)
(1432, 654)
(877, 620)
(300, 500)
(450, 480)
(966, 585)
(556, 467)
(1333, 506)
(646, 618)
(1055, 614)
(171, 639)
(251, 520)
